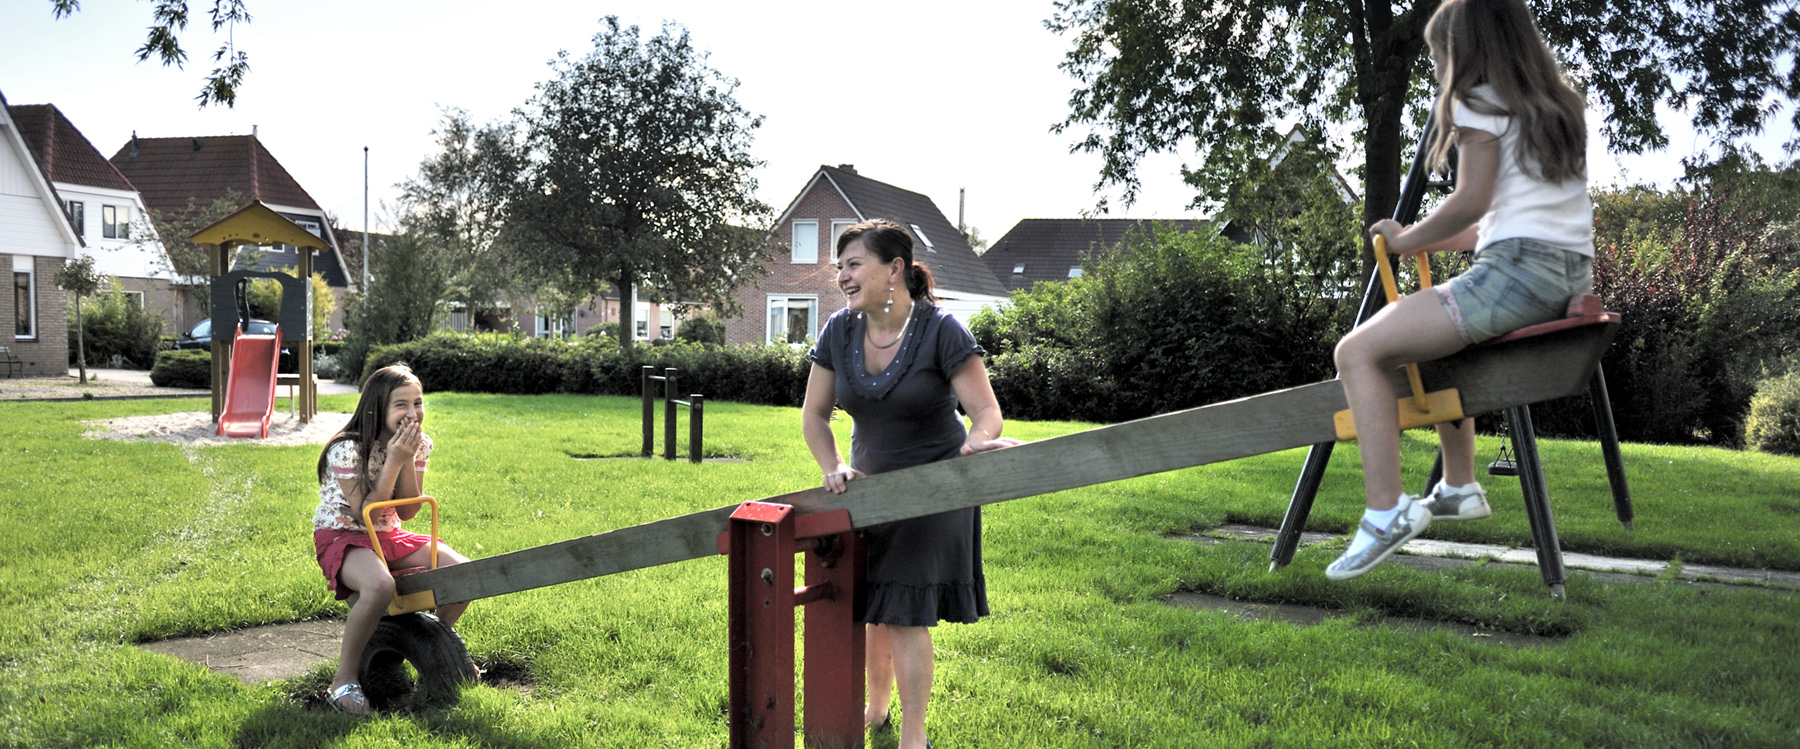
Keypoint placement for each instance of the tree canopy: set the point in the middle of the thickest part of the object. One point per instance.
(458, 204)
(1227, 77)
(168, 18)
(635, 170)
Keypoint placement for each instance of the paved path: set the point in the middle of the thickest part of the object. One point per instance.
(116, 384)
(284, 651)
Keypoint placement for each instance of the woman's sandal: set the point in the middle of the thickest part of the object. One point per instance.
(354, 692)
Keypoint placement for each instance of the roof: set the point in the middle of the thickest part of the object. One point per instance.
(1049, 247)
(170, 171)
(64, 153)
(954, 265)
(14, 142)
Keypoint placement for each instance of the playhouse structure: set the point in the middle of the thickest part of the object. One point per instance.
(243, 386)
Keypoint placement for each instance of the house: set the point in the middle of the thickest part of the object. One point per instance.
(800, 291)
(104, 209)
(173, 173)
(36, 240)
(1053, 249)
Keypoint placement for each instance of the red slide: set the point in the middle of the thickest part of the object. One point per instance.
(250, 389)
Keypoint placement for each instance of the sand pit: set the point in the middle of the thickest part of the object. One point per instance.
(196, 428)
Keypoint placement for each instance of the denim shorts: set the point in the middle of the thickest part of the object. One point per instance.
(1514, 283)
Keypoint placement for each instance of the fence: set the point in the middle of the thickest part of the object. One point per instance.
(695, 403)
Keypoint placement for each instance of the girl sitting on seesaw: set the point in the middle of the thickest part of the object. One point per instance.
(1521, 203)
(379, 455)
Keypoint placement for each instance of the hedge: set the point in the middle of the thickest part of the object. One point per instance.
(187, 368)
(498, 363)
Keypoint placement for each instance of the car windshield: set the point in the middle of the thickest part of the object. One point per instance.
(202, 330)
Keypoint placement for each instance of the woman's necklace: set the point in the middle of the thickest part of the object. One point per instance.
(869, 334)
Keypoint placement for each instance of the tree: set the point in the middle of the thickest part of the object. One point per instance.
(1226, 76)
(407, 283)
(78, 277)
(635, 171)
(459, 201)
(168, 19)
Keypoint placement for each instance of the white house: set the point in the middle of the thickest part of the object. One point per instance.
(36, 240)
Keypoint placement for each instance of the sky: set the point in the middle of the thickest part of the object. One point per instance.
(932, 96)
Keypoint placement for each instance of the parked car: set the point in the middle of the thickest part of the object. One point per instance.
(200, 337)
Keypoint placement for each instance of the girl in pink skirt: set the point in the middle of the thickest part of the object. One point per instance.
(379, 455)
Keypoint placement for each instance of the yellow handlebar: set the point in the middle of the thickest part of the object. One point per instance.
(369, 509)
(1393, 295)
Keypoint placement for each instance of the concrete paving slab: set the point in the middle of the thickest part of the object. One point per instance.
(258, 654)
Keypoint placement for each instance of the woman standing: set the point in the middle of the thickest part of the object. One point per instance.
(901, 368)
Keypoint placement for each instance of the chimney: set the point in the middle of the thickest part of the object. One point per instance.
(851, 168)
(134, 146)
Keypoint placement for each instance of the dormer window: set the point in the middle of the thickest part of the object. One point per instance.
(1018, 268)
(1074, 271)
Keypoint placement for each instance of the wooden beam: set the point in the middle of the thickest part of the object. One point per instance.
(1490, 378)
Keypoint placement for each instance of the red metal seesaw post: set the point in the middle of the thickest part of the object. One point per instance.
(761, 543)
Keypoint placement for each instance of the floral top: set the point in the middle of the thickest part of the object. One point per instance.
(334, 508)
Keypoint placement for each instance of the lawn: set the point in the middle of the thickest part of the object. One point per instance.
(108, 544)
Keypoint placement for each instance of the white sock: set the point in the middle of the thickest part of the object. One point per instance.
(1444, 488)
(1377, 518)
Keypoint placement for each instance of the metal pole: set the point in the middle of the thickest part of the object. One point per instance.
(365, 244)
(1609, 447)
(669, 414)
(1537, 500)
(696, 417)
(649, 411)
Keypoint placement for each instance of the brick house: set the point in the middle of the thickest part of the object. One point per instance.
(36, 240)
(105, 210)
(171, 172)
(800, 291)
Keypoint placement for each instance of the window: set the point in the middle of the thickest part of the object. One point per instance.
(1018, 268)
(77, 211)
(552, 327)
(806, 242)
(135, 298)
(1074, 271)
(115, 222)
(837, 230)
(792, 319)
(24, 300)
(920, 233)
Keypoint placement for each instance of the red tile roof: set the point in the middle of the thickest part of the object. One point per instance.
(65, 154)
(170, 171)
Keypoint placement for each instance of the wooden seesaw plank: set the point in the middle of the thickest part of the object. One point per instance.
(1490, 378)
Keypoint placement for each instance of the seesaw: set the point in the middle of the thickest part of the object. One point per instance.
(1537, 364)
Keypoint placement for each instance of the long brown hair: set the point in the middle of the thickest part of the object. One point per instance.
(887, 241)
(366, 424)
(1496, 42)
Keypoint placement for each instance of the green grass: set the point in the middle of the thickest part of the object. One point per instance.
(106, 544)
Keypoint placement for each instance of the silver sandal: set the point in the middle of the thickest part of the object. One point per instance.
(355, 692)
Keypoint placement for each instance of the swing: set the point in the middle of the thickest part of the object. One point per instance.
(1504, 464)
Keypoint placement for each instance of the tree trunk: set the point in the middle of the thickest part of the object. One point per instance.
(80, 341)
(626, 310)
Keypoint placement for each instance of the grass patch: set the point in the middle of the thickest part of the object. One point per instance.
(106, 544)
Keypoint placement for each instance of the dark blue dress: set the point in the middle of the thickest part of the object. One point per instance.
(922, 570)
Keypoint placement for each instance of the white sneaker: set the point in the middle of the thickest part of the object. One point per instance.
(1467, 503)
(1406, 525)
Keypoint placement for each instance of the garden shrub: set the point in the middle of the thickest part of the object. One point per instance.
(1773, 425)
(702, 329)
(1170, 321)
(114, 325)
(189, 368)
(501, 363)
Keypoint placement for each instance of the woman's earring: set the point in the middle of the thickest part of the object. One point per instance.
(890, 302)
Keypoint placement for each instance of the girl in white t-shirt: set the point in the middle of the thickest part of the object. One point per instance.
(380, 454)
(1521, 203)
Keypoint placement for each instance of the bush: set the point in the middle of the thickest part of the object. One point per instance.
(500, 363)
(326, 365)
(1169, 321)
(1774, 422)
(114, 325)
(702, 329)
(182, 369)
